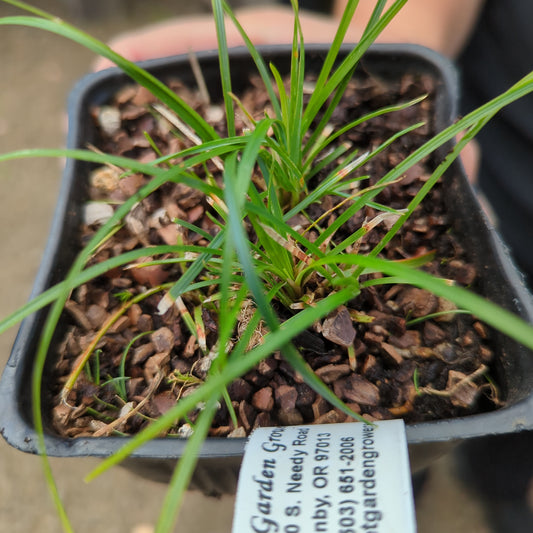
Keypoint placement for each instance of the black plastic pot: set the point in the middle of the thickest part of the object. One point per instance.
(220, 458)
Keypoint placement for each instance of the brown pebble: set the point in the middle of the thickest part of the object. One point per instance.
(120, 324)
(319, 407)
(463, 273)
(163, 402)
(154, 364)
(267, 367)
(480, 329)
(134, 312)
(144, 323)
(79, 315)
(409, 339)
(306, 395)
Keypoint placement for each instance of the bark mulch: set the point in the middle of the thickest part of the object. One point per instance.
(432, 369)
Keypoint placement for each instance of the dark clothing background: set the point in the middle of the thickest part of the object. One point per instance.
(323, 6)
(499, 53)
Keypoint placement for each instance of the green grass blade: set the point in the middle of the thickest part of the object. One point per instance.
(284, 105)
(283, 228)
(84, 155)
(295, 133)
(224, 65)
(258, 60)
(121, 385)
(30, 9)
(333, 52)
(185, 468)
(376, 14)
(235, 202)
(253, 144)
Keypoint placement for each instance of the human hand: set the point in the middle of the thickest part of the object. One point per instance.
(263, 25)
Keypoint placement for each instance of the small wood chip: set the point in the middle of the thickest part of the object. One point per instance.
(267, 367)
(286, 397)
(463, 273)
(331, 373)
(410, 339)
(134, 312)
(358, 390)
(169, 233)
(445, 306)
(263, 420)
(263, 400)
(240, 390)
(145, 323)
(391, 354)
(319, 407)
(246, 415)
(433, 334)
(417, 302)
(120, 324)
(338, 327)
(79, 315)
(154, 364)
(153, 275)
(163, 340)
(130, 184)
(163, 402)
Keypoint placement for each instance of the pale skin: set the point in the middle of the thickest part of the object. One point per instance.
(443, 25)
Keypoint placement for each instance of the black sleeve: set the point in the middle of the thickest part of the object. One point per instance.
(323, 6)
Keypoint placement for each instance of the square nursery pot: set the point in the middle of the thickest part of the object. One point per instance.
(220, 457)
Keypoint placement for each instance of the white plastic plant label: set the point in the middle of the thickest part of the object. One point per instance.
(335, 478)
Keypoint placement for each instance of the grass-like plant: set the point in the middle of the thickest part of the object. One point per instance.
(272, 269)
